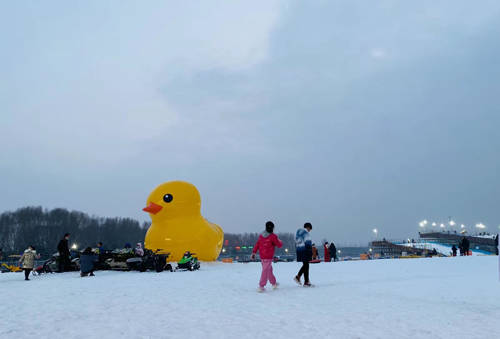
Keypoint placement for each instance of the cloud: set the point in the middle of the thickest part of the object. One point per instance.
(274, 110)
(85, 85)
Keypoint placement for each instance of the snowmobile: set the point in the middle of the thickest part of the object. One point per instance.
(52, 264)
(117, 259)
(188, 262)
(156, 260)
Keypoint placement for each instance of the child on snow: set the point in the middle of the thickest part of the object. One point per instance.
(265, 245)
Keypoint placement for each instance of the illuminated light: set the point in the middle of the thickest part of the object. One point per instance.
(462, 226)
(375, 230)
(481, 226)
(434, 224)
(74, 247)
(442, 226)
(223, 250)
(286, 250)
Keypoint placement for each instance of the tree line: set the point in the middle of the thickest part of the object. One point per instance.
(44, 228)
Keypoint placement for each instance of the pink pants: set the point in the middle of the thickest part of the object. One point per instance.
(267, 272)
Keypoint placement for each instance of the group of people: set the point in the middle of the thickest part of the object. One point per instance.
(89, 258)
(266, 245)
(330, 252)
(463, 246)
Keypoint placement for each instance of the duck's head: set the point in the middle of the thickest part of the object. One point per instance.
(173, 199)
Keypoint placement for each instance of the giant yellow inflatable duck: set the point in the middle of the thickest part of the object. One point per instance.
(178, 225)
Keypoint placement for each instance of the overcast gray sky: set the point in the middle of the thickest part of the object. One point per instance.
(348, 114)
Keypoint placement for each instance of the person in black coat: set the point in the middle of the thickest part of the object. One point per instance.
(496, 244)
(466, 246)
(333, 251)
(461, 246)
(64, 254)
(454, 250)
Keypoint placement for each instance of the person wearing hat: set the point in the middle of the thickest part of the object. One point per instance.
(27, 261)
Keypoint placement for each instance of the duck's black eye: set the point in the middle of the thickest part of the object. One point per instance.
(168, 198)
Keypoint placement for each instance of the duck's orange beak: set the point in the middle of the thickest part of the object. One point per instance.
(152, 208)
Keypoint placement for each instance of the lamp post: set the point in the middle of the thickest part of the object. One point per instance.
(462, 229)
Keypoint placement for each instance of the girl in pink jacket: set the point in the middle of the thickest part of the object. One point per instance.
(265, 245)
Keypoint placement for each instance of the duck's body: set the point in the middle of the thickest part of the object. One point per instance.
(178, 225)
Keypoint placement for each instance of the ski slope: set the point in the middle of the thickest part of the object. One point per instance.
(406, 298)
(441, 248)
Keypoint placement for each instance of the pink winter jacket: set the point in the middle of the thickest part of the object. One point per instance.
(265, 245)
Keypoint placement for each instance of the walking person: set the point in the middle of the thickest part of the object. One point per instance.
(266, 244)
(303, 245)
(64, 254)
(454, 250)
(27, 261)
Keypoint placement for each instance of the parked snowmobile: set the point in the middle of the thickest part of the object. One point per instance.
(52, 264)
(156, 260)
(117, 259)
(188, 262)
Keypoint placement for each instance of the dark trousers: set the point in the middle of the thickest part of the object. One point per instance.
(63, 263)
(305, 271)
(27, 272)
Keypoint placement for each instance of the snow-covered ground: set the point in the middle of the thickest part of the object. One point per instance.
(406, 298)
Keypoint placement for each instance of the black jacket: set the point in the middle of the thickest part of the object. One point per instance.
(333, 250)
(63, 248)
